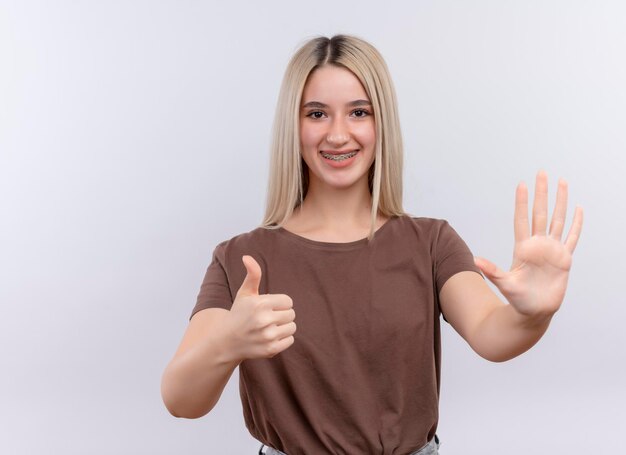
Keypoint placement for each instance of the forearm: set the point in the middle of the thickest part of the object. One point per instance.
(194, 381)
(505, 333)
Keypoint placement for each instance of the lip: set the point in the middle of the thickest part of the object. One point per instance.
(339, 164)
(337, 152)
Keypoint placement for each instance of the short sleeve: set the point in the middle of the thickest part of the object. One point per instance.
(215, 291)
(452, 256)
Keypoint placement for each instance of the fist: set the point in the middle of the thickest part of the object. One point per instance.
(262, 325)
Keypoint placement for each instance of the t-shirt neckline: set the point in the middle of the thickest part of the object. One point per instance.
(334, 245)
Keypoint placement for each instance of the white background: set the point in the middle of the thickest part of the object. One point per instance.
(134, 137)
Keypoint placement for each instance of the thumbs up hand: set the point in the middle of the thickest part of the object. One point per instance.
(261, 325)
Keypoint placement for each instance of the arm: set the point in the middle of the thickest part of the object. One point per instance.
(494, 330)
(217, 340)
(194, 380)
(534, 287)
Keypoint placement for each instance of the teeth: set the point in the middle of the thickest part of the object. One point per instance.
(338, 157)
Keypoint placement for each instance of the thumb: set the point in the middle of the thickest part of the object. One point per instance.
(251, 282)
(490, 270)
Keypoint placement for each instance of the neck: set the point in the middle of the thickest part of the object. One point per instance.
(336, 209)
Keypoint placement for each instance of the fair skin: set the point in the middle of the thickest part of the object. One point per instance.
(534, 286)
(336, 117)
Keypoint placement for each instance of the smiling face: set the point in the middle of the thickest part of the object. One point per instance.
(337, 129)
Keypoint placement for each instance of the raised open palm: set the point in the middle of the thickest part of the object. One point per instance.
(536, 283)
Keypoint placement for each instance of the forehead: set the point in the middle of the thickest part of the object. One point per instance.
(331, 83)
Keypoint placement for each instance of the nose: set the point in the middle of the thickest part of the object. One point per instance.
(338, 133)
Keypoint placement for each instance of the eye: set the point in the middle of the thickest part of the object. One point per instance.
(360, 113)
(315, 114)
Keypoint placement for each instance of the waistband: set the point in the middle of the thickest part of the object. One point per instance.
(431, 448)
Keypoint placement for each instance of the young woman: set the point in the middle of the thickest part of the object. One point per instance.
(366, 281)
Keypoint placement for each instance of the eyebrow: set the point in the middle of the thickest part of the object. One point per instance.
(354, 103)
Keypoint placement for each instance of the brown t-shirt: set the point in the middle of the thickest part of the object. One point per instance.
(362, 376)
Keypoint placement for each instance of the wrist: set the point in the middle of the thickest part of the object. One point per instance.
(223, 340)
(532, 319)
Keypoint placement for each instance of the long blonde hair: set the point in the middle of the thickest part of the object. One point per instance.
(288, 180)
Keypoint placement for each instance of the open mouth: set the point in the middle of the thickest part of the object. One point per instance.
(338, 157)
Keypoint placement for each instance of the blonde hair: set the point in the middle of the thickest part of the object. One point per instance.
(288, 179)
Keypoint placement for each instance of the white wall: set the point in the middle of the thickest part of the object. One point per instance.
(134, 137)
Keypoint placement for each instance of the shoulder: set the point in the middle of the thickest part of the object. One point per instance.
(245, 243)
(433, 234)
(424, 222)
(425, 226)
